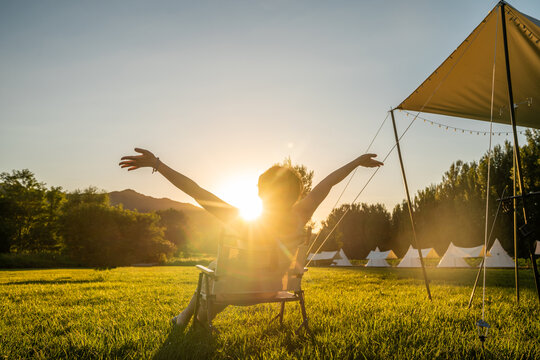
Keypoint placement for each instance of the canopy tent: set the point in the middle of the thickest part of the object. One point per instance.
(461, 85)
(411, 258)
(495, 71)
(454, 257)
(378, 258)
(330, 258)
(498, 257)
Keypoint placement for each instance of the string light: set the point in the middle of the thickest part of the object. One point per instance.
(472, 132)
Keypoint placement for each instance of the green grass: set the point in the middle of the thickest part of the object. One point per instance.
(354, 314)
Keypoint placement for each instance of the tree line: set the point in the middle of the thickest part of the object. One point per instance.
(452, 210)
(83, 225)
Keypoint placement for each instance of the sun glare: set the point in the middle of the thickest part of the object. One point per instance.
(242, 193)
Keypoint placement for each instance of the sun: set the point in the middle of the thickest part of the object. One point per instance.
(242, 193)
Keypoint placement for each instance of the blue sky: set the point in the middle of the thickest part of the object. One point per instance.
(221, 90)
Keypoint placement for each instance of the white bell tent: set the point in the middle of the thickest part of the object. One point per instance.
(498, 258)
(476, 251)
(330, 258)
(454, 257)
(378, 258)
(341, 259)
(411, 258)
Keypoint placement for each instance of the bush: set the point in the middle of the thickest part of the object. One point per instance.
(101, 235)
(37, 261)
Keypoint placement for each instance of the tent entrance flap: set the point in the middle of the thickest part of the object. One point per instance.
(461, 86)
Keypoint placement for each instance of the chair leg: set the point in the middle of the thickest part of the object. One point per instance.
(281, 313)
(197, 301)
(208, 304)
(304, 314)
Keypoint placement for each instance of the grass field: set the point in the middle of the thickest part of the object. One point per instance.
(354, 314)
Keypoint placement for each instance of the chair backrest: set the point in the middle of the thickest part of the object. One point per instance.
(242, 270)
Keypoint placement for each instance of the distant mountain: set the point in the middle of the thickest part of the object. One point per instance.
(203, 229)
(133, 200)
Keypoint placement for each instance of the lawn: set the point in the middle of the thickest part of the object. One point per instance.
(354, 314)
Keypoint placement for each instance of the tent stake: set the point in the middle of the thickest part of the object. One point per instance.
(517, 155)
(410, 206)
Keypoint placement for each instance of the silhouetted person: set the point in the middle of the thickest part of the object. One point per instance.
(283, 218)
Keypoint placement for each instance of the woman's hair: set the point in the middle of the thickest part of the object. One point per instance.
(283, 182)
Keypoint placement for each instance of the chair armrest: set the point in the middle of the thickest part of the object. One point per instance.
(206, 270)
(298, 273)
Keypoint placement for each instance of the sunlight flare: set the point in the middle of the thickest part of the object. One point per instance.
(242, 192)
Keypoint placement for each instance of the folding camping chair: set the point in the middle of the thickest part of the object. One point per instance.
(245, 277)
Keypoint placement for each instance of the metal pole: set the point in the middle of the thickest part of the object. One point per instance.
(410, 206)
(514, 202)
(516, 144)
(485, 250)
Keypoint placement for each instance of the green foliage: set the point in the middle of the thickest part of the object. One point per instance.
(174, 223)
(98, 234)
(452, 210)
(28, 212)
(354, 314)
(82, 225)
(306, 176)
(364, 227)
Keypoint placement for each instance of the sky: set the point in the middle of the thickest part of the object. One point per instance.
(222, 90)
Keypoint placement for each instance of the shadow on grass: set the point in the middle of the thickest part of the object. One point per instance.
(459, 277)
(199, 343)
(53, 282)
(187, 343)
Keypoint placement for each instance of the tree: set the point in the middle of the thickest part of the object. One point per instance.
(364, 227)
(22, 203)
(174, 223)
(98, 234)
(306, 176)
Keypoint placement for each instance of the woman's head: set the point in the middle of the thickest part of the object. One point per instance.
(279, 187)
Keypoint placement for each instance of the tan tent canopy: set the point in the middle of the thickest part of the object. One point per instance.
(461, 86)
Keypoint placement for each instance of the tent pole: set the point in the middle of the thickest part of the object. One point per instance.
(485, 250)
(516, 144)
(514, 202)
(410, 206)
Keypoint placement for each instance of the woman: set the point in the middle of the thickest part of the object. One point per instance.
(284, 215)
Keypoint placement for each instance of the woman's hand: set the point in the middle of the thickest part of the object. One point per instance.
(367, 160)
(146, 159)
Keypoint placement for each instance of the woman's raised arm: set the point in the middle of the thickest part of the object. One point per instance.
(206, 199)
(306, 207)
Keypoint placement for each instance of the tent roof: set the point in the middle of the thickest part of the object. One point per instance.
(498, 256)
(341, 259)
(456, 251)
(475, 251)
(377, 254)
(454, 257)
(461, 85)
(323, 255)
(426, 253)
